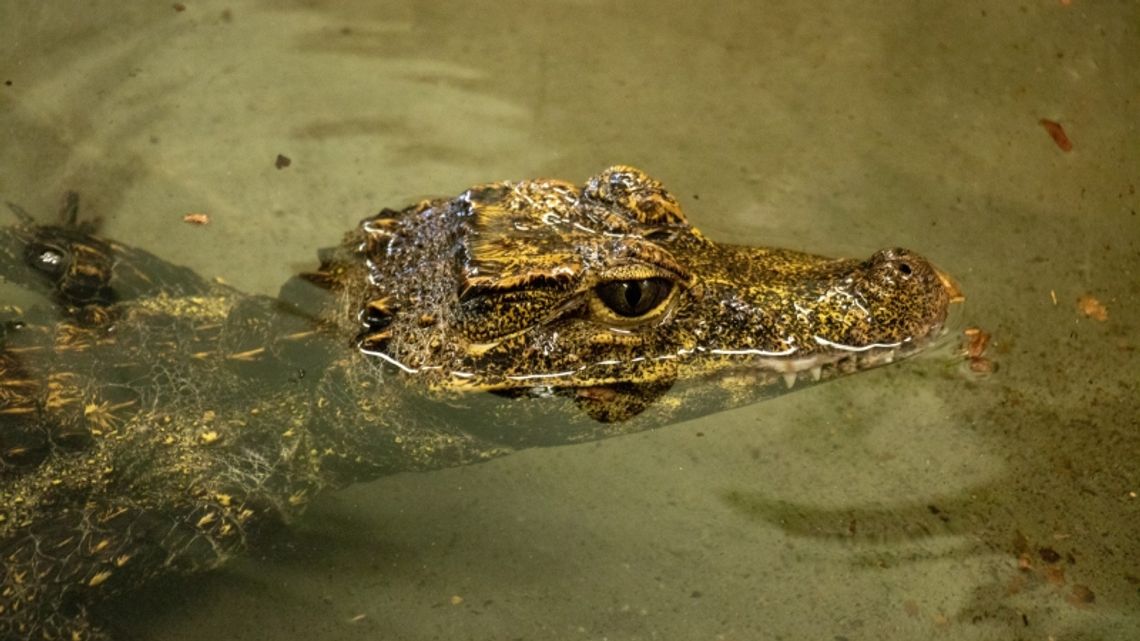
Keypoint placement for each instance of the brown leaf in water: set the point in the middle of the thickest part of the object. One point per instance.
(1093, 308)
(1058, 133)
(977, 339)
(196, 219)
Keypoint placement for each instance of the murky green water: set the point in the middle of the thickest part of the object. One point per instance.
(908, 503)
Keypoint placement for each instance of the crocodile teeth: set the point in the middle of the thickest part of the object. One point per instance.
(789, 379)
(816, 373)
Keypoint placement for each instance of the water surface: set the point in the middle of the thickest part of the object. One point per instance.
(912, 502)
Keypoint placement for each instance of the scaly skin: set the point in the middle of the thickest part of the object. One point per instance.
(156, 422)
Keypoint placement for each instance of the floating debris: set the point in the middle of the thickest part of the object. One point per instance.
(1093, 308)
(976, 341)
(1058, 133)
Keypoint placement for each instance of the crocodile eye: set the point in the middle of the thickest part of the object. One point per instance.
(47, 258)
(634, 298)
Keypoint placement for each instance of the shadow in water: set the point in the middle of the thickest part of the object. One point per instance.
(1062, 518)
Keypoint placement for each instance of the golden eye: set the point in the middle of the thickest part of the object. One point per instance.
(634, 298)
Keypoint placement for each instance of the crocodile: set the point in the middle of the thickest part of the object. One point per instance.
(153, 421)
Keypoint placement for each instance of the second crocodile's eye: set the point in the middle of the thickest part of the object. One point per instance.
(46, 258)
(634, 298)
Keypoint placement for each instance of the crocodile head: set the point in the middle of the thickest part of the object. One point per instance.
(605, 297)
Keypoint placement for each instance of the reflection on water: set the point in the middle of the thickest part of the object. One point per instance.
(905, 502)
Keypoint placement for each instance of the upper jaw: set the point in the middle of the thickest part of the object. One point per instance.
(834, 327)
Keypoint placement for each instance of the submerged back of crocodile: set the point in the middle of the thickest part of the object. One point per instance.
(122, 448)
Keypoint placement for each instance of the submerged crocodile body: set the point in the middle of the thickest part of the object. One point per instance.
(154, 421)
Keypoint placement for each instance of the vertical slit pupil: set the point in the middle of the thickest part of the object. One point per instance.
(633, 294)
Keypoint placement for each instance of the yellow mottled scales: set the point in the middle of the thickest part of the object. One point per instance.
(153, 421)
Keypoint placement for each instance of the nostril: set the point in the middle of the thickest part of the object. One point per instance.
(905, 268)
